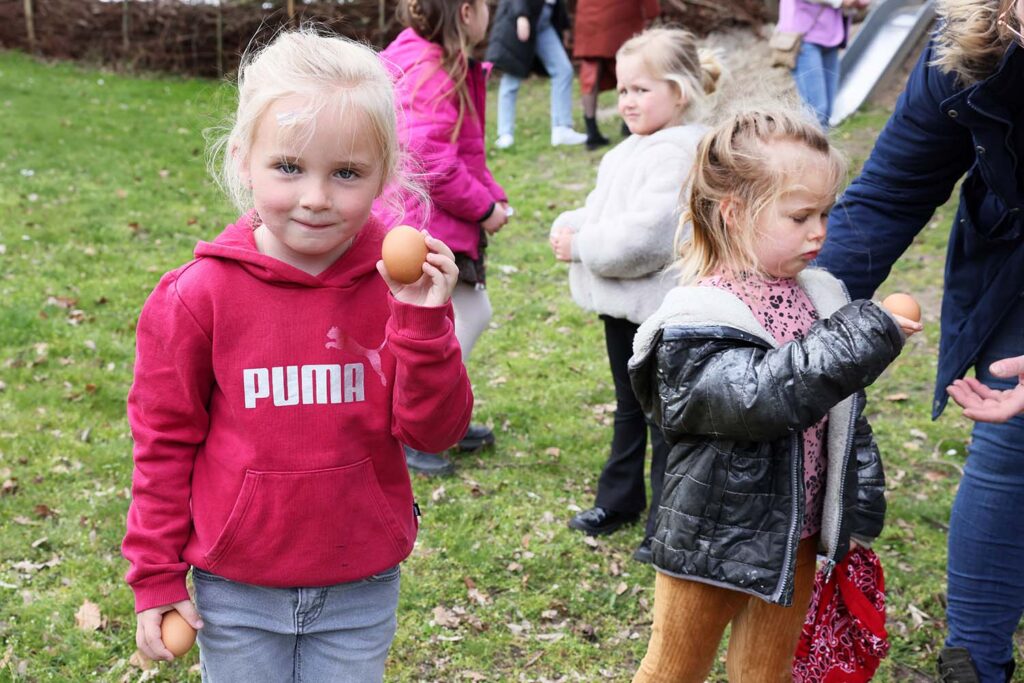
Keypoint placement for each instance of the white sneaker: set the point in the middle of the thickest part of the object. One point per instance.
(504, 141)
(564, 135)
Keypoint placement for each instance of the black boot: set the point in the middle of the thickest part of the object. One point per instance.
(956, 666)
(428, 464)
(594, 137)
(477, 437)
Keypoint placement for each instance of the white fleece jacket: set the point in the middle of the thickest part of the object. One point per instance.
(625, 232)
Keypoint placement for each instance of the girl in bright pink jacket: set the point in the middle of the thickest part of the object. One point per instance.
(442, 95)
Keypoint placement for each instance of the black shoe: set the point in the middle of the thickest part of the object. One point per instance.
(598, 521)
(428, 464)
(644, 553)
(956, 666)
(597, 141)
(477, 437)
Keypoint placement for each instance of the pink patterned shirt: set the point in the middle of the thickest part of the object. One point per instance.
(783, 309)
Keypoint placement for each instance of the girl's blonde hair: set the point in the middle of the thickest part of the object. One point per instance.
(671, 54)
(735, 165)
(439, 21)
(325, 70)
(970, 41)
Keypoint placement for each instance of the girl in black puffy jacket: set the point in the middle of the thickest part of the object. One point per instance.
(755, 374)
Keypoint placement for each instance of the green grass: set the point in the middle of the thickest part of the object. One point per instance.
(103, 188)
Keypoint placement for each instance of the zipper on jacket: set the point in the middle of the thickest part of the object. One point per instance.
(789, 561)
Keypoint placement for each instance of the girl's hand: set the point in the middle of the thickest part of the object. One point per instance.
(984, 404)
(523, 29)
(497, 220)
(561, 244)
(147, 628)
(909, 327)
(435, 286)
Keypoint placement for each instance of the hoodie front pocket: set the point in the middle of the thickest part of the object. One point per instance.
(304, 528)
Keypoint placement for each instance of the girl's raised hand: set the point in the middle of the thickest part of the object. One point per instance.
(909, 327)
(435, 286)
(147, 628)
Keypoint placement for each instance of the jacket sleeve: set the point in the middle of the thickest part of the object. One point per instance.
(868, 517)
(633, 235)
(912, 170)
(167, 413)
(713, 386)
(432, 399)
(441, 169)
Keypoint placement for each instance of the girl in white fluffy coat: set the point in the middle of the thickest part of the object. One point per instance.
(619, 243)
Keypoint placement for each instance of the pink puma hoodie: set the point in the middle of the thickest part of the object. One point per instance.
(268, 411)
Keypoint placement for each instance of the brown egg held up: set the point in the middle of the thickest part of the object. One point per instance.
(903, 304)
(404, 251)
(177, 634)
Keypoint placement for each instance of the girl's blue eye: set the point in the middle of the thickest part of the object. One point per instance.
(287, 169)
(347, 174)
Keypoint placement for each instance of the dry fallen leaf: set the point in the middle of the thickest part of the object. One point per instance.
(900, 396)
(88, 617)
(141, 661)
(621, 588)
(445, 617)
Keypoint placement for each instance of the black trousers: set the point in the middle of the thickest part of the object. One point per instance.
(621, 486)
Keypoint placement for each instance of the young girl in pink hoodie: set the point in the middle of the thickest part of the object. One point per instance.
(442, 94)
(277, 375)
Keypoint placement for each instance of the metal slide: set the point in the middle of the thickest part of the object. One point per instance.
(891, 30)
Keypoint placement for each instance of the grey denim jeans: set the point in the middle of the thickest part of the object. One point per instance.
(339, 633)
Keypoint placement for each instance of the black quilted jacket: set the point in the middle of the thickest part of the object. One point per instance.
(733, 405)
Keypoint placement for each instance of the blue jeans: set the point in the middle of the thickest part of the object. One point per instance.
(817, 78)
(556, 62)
(986, 529)
(339, 633)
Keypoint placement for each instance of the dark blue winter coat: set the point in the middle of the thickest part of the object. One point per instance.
(938, 132)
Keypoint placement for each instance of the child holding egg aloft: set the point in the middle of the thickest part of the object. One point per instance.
(621, 240)
(441, 92)
(754, 371)
(278, 375)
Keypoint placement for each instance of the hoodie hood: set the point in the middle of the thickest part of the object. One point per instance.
(237, 243)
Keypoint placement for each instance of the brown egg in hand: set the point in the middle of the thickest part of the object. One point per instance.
(904, 305)
(177, 634)
(404, 251)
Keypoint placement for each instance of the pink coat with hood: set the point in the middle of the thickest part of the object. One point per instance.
(454, 174)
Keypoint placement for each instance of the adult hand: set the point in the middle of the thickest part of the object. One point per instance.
(497, 220)
(984, 404)
(147, 628)
(523, 29)
(435, 286)
(561, 244)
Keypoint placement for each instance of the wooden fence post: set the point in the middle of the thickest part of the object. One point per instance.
(30, 26)
(382, 22)
(291, 11)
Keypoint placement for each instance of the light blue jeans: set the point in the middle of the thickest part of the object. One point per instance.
(817, 78)
(340, 633)
(985, 573)
(556, 62)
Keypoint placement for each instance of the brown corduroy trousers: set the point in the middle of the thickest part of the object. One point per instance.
(690, 619)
